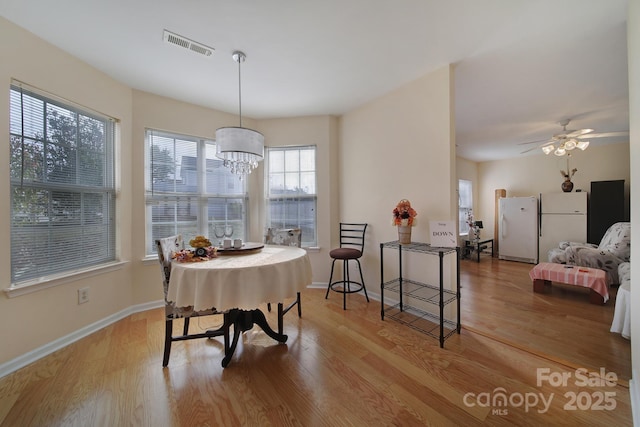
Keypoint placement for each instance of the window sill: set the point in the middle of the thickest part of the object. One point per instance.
(35, 285)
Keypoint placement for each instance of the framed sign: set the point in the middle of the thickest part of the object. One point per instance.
(443, 233)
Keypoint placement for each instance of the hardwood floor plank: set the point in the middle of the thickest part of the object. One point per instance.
(498, 301)
(341, 368)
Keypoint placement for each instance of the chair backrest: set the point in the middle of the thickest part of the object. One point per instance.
(166, 248)
(284, 237)
(617, 240)
(352, 235)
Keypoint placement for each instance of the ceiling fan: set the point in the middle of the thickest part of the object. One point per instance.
(562, 143)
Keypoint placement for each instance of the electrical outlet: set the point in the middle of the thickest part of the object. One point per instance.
(83, 295)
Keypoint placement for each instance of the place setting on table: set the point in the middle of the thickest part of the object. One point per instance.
(204, 277)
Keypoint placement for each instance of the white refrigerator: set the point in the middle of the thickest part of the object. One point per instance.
(563, 217)
(518, 229)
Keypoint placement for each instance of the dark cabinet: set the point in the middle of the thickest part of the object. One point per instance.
(606, 207)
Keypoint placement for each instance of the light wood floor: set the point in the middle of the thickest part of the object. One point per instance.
(338, 368)
(498, 301)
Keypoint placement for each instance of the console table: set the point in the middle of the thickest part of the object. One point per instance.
(434, 325)
(479, 246)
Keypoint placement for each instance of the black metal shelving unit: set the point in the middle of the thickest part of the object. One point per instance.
(431, 324)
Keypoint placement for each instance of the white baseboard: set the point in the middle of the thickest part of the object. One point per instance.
(40, 352)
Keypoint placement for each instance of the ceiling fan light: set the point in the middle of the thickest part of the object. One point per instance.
(560, 151)
(583, 145)
(570, 144)
(548, 149)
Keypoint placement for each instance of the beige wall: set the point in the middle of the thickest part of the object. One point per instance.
(33, 320)
(532, 175)
(468, 170)
(398, 146)
(633, 42)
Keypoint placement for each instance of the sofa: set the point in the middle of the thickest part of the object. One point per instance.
(622, 314)
(613, 250)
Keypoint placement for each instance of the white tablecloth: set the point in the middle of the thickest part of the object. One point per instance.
(241, 281)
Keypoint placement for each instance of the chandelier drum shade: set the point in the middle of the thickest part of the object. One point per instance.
(239, 148)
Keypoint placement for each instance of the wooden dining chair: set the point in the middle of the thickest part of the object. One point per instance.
(351, 249)
(285, 237)
(166, 247)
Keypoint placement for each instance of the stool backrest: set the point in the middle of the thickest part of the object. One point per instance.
(352, 235)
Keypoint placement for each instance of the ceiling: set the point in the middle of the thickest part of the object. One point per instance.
(521, 66)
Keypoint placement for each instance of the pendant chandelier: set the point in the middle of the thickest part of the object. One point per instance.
(239, 148)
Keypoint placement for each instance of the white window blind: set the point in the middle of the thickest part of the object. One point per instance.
(291, 190)
(62, 185)
(188, 190)
(465, 205)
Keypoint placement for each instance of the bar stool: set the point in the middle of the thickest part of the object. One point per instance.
(351, 249)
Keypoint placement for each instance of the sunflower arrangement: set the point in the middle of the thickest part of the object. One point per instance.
(199, 242)
(203, 251)
(404, 214)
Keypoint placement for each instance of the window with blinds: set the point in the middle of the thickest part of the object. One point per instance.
(189, 191)
(465, 204)
(62, 185)
(291, 190)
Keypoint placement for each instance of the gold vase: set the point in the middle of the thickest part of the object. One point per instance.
(404, 234)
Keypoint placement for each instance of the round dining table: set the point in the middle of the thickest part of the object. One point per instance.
(237, 282)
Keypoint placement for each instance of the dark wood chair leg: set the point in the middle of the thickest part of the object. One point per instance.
(185, 330)
(167, 341)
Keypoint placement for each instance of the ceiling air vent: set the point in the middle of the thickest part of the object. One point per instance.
(177, 40)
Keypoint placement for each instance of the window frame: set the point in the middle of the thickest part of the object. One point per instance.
(204, 200)
(73, 203)
(294, 198)
(464, 209)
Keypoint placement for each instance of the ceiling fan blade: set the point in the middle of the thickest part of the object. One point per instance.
(579, 132)
(604, 134)
(546, 141)
(529, 150)
(537, 147)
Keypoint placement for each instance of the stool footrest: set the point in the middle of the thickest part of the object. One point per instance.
(346, 284)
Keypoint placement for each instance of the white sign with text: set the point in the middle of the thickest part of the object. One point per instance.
(443, 233)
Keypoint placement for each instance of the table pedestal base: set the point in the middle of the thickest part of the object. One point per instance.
(243, 320)
(540, 284)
